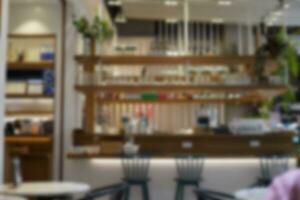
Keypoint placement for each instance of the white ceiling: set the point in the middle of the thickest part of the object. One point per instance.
(241, 11)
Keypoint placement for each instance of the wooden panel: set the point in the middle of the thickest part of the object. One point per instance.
(208, 145)
(167, 60)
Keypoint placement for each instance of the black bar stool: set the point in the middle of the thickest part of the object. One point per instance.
(189, 169)
(136, 173)
(271, 166)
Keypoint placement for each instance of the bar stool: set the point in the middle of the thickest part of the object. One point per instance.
(136, 173)
(271, 166)
(189, 171)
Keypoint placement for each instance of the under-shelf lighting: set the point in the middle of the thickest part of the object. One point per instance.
(224, 3)
(171, 2)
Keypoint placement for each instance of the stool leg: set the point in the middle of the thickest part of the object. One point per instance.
(182, 192)
(146, 195)
(178, 190)
(127, 193)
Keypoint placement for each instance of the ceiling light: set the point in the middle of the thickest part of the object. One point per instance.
(224, 3)
(171, 2)
(114, 3)
(120, 19)
(286, 6)
(171, 21)
(217, 20)
(277, 13)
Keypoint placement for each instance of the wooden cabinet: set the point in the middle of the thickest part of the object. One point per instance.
(35, 153)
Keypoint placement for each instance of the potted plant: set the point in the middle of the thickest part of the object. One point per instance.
(98, 30)
(278, 53)
(282, 55)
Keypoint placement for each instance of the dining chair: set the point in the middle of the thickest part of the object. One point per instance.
(136, 173)
(189, 172)
(270, 167)
(113, 192)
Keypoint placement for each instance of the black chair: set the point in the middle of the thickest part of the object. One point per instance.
(189, 169)
(114, 192)
(271, 166)
(213, 195)
(136, 173)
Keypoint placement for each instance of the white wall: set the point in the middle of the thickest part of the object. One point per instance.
(42, 18)
(227, 175)
(3, 44)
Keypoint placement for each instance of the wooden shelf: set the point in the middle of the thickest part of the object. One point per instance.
(32, 139)
(166, 60)
(182, 101)
(28, 112)
(28, 96)
(32, 36)
(180, 88)
(31, 65)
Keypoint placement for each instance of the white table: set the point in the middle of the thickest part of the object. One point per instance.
(42, 190)
(5, 197)
(251, 194)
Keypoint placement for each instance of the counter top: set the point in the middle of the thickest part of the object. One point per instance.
(168, 146)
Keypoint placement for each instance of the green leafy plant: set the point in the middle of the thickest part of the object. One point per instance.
(97, 30)
(279, 49)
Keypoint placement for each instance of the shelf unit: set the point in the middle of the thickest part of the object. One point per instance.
(92, 90)
(27, 66)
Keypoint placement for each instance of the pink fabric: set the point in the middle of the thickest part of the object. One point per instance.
(285, 187)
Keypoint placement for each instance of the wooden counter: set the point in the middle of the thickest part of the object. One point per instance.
(35, 152)
(207, 145)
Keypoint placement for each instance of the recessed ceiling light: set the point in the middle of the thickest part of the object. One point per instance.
(171, 2)
(277, 13)
(114, 3)
(286, 6)
(224, 3)
(171, 20)
(120, 18)
(217, 20)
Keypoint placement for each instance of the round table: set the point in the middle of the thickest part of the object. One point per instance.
(251, 194)
(45, 190)
(5, 197)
